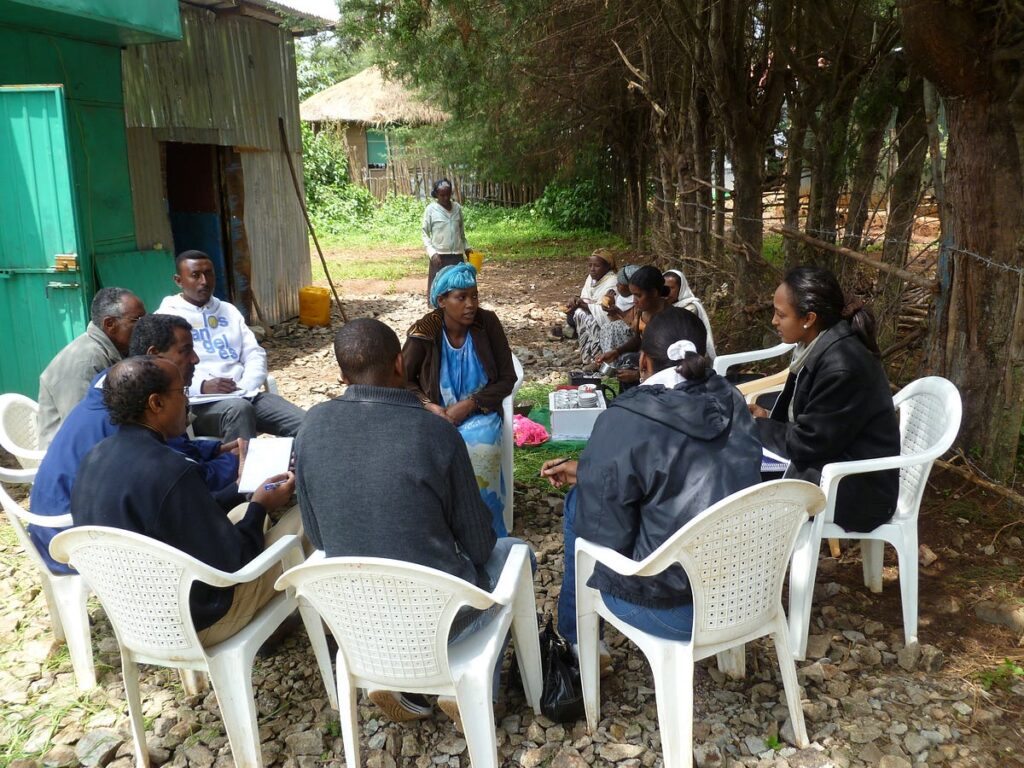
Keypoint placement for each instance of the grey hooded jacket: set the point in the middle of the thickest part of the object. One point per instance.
(656, 459)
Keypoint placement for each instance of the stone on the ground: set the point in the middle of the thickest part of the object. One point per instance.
(97, 747)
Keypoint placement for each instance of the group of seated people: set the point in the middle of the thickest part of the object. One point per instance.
(614, 307)
(406, 463)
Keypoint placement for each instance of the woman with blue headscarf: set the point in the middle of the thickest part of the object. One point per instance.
(459, 364)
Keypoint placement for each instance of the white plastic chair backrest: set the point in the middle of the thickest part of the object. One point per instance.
(143, 586)
(724, 362)
(930, 411)
(391, 619)
(17, 517)
(735, 554)
(19, 429)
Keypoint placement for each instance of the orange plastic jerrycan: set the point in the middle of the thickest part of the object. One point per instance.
(476, 258)
(314, 305)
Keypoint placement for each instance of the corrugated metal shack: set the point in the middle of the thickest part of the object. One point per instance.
(206, 157)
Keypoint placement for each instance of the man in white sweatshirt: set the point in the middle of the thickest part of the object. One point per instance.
(225, 392)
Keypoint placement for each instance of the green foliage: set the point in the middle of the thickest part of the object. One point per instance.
(576, 205)
(334, 203)
(772, 742)
(324, 162)
(772, 250)
(325, 58)
(1001, 676)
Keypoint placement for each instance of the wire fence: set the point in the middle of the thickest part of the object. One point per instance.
(866, 239)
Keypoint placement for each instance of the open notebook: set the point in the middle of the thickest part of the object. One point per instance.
(266, 457)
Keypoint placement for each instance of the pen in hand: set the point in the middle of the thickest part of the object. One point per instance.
(556, 464)
(272, 486)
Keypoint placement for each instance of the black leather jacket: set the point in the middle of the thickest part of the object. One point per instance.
(842, 411)
(656, 459)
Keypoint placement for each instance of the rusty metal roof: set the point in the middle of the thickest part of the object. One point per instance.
(281, 14)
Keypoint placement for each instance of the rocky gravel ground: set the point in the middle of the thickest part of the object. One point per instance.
(868, 701)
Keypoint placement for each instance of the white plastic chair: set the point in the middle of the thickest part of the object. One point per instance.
(144, 587)
(65, 594)
(19, 429)
(508, 444)
(930, 410)
(391, 620)
(735, 555)
(723, 363)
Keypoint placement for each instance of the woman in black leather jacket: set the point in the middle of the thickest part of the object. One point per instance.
(660, 455)
(837, 404)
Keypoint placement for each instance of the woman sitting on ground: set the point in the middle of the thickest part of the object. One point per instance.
(681, 295)
(458, 362)
(676, 444)
(585, 313)
(650, 296)
(836, 404)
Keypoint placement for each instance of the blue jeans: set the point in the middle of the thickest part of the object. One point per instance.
(492, 568)
(669, 623)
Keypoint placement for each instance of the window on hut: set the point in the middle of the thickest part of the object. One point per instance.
(376, 149)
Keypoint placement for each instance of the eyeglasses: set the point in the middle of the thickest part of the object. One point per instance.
(184, 391)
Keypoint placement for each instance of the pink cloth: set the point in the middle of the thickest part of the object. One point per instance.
(528, 432)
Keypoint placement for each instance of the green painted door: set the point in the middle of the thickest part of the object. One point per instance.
(41, 308)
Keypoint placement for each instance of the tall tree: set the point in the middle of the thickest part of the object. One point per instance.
(974, 54)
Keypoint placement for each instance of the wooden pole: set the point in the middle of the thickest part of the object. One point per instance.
(910, 277)
(305, 215)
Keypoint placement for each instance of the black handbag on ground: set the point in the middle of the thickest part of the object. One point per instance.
(562, 697)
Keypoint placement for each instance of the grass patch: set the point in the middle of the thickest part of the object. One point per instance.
(528, 460)
(368, 270)
(501, 233)
(1001, 676)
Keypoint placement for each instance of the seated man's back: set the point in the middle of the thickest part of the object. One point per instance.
(379, 476)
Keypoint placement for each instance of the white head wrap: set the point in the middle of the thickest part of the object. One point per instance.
(679, 349)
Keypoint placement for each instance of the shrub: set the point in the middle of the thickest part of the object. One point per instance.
(574, 205)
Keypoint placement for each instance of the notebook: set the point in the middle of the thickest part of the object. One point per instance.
(265, 458)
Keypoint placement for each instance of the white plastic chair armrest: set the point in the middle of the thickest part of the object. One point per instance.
(505, 589)
(22, 476)
(724, 362)
(831, 474)
(255, 567)
(610, 558)
(43, 521)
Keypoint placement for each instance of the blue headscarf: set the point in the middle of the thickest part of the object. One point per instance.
(452, 278)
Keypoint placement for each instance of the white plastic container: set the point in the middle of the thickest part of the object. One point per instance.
(574, 423)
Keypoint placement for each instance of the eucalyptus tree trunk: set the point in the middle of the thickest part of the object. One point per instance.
(977, 327)
(791, 204)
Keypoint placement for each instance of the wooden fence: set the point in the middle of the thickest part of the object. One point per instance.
(399, 178)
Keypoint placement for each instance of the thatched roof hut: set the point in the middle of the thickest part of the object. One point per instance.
(368, 99)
